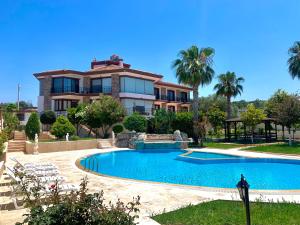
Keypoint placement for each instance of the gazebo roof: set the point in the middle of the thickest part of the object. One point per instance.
(240, 120)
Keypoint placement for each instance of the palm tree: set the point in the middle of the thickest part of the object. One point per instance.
(193, 68)
(229, 86)
(294, 60)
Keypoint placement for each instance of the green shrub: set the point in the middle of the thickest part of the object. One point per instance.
(1, 146)
(4, 136)
(74, 138)
(163, 121)
(184, 122)
(48, 117)
(135, 122)
(76, 208)
(118, 128)
(150, 125)
(61, 127)
(32, 126)
(11, 122)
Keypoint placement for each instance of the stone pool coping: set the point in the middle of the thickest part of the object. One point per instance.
(155, 197)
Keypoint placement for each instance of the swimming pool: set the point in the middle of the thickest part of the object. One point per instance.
(168, 166)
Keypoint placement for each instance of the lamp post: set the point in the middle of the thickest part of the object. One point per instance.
(243, 188)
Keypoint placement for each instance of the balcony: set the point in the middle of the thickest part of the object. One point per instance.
(172, 99)
(81, 90)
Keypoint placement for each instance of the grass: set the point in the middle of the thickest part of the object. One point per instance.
(232, 213)
(277, 148)
(219, 145)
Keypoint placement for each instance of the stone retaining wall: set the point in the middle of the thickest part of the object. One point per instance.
(58, 146)
(151, 137)
(123, 139)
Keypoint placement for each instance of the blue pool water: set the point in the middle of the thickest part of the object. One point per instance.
(207, 155)
(168, 167)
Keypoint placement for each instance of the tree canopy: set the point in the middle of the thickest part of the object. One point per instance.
(103, 113)
(252, 117)
(194, 68)
(229, 85)
(294, 60)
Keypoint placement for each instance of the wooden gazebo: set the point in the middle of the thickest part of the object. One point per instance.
(268, 134)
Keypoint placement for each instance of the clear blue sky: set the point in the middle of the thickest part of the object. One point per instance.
(250, 37)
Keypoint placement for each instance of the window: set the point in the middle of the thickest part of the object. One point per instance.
(136, 85)
(139, 109)
(156, 107)
(171, 95)
(96, 85)
(106, 85)
(63, 104)
(171, 108)
(65, 85)
(101, 85)
(156, 93)
(183, 96)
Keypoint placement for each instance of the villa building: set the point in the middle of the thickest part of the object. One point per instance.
(137, 90)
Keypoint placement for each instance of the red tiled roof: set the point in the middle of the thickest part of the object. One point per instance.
(173, 85)
(58, 72)
(55, 72)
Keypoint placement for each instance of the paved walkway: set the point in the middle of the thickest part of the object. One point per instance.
(155, 198)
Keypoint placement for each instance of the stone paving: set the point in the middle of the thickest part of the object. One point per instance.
(155, 197)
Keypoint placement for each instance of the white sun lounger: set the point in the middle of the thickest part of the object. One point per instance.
(62, 187)
(46, 179)
(34, 172)
(37, 166)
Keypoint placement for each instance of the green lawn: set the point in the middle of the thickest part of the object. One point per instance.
(219, 145)
(277, 148)
(232, 213)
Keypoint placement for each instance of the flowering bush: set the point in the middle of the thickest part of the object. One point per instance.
(76, 208)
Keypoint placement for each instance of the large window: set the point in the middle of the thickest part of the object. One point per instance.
(183, 97)
(65, 85)
(136, 85)
(156, 93)
(101, 85)
(171, 95)
(64, 104)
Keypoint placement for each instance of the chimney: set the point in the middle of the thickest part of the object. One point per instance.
(121, 63)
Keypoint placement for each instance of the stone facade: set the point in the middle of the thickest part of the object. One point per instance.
(163, 91)
(115, 85)
(86, 82)
(45, 90)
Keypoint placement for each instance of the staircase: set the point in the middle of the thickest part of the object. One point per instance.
(18, 143)
(105, 143)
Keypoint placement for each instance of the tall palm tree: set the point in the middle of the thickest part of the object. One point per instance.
(229, 86)
(294, 60)
(193, 68)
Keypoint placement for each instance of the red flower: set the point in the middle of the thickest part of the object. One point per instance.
(52, 186)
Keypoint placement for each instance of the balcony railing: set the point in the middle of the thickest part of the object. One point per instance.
(140, 110)
(172, 99)
(81, 90)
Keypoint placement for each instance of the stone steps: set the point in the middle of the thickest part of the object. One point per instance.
(105, 143)
(16, 146)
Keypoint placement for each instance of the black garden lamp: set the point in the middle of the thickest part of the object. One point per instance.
(243, 188)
